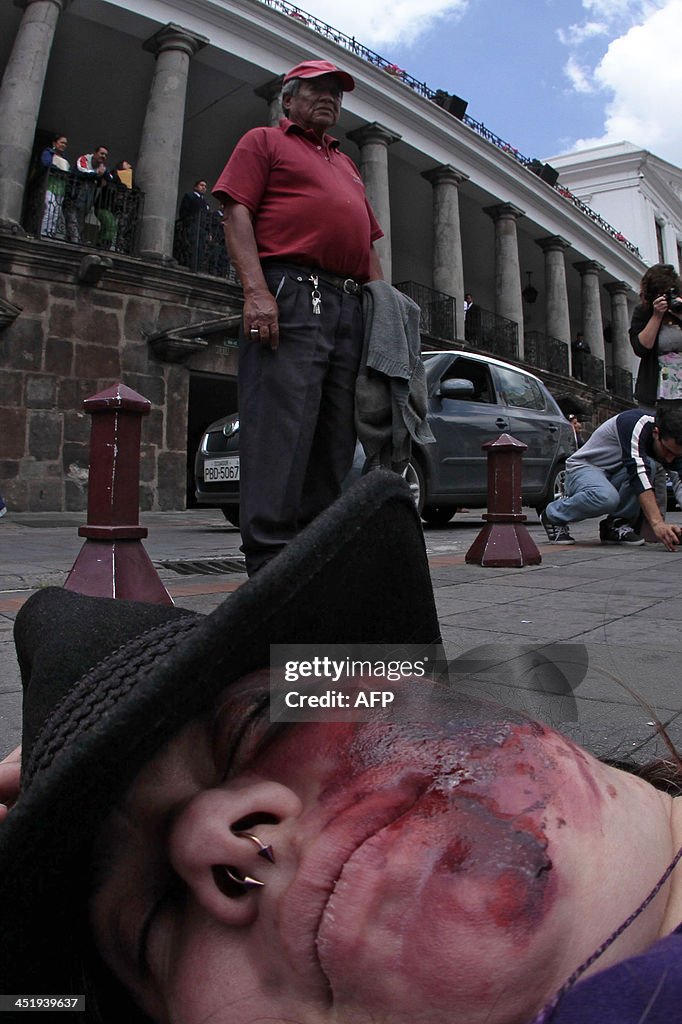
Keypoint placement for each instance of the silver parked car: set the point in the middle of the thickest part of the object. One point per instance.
(471, 399)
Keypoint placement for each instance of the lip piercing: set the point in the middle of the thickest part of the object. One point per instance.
(254, 330)
(263, 850)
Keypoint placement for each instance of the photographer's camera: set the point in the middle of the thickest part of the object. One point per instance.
(674, 301)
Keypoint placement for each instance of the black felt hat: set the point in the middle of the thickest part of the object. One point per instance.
(107, 683)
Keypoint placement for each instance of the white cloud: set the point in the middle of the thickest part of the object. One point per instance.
(619, 11)
(604, 19)
(608, 17)
(379, 22)
(644, 75)
(578, 76)
(575, 35)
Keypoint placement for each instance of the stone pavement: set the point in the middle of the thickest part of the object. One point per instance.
(588, 640)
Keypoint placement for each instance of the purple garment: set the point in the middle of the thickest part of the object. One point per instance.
(645, 989)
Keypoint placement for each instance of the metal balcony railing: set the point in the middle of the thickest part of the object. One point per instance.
(493, 333)
(589, 369)
(199, 245)
(84, 210)
(437, 317)
(545, 352)
(619, 381)
(351, 44)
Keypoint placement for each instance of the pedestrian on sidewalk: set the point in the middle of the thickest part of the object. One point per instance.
(3, 507)
(301, 234)
(577, 430)
(611, 475)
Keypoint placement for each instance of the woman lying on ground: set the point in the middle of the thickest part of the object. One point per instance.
(175, 851)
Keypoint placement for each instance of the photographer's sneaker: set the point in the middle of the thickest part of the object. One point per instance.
(556, 534)
(617, 531)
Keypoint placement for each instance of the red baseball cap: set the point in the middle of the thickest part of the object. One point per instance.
(315, 68)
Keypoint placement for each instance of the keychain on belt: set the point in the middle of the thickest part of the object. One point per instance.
(316, 295)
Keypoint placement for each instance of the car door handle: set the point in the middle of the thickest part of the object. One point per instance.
(552, 427)
(501, 423)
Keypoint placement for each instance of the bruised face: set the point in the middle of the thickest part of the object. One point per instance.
(422, 873)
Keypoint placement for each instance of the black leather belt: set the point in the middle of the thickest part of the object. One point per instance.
(344, 284)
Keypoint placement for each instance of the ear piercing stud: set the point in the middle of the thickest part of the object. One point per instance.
(245, 883)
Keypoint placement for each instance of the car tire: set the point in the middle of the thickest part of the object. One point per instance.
(557, 486)
(415, 478)
(437, 515)
(231, 513)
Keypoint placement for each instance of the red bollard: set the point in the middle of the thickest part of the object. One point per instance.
(113, 561)
(504, 540)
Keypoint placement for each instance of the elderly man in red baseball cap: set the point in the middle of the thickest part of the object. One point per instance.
(301, 235)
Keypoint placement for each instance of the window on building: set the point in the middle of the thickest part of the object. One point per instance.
(659, 242)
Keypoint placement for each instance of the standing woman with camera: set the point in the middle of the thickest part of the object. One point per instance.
(656, 337)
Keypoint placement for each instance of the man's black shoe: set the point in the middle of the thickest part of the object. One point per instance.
(617, 531)
(556, 534)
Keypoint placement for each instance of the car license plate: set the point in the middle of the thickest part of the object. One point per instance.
(216, 470)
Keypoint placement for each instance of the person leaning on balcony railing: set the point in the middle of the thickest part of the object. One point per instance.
(656, 337)
(91, 169)
(300, 232)
(115, 196)
(56, 166)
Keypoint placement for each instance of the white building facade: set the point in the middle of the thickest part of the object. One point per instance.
(635, 191)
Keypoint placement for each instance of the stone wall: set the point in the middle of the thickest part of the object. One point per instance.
(72, 340)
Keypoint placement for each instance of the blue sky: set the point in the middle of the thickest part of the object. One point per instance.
(549, 76)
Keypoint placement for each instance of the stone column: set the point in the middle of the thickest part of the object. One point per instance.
(20, 95)
(271, 92)
(158, 165)
(593, 326)
(508, 298)
(557, 320)
(670, 243)
(448, 266)
(620, 324)
(373, 141)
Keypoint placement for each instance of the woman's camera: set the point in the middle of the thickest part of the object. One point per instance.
(674, 301)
